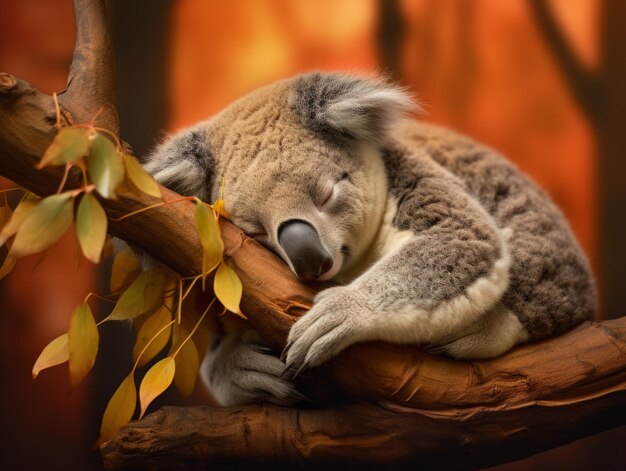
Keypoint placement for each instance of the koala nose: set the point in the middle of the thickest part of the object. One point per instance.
(303, 246)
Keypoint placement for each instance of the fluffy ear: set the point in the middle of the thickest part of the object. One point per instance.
(340, 104)
(184, 163)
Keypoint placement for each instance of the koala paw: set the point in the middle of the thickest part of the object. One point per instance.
(239, 372)
(334, 322)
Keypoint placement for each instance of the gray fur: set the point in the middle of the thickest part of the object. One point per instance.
(240, 370)
(551, 288)
(184, 162)
(436, 239)
(337, 105)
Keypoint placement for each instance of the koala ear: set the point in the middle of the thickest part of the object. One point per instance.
(184, 163)
(340, 104)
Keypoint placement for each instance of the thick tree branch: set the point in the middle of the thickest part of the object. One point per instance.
(584, 84)
(432, 411)
(413, 405)
(386, 436)
(91, 90)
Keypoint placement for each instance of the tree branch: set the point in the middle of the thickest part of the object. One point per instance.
(91, 90)
(584, 84)
(354, 436)
(443, 414)
(413, 405)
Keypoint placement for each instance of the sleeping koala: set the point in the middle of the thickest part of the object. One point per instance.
(435, 239)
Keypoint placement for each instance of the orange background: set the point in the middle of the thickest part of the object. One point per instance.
(481, 67)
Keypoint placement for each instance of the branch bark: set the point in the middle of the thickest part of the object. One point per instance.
(411, 405)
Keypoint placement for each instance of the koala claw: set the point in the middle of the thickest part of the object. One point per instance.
(244, 372)
(331, 325)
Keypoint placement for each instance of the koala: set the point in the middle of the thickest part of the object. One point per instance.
(433, 239)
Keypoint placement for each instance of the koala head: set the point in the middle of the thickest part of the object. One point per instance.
(300, 163)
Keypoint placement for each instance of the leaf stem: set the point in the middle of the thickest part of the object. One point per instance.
(179, 308)
(195, 278)
(57, 110)
(112, 135)
(149, 342)
(152, 206)
(95, 116)
(12, 189)
(193, 331)
(68, 166)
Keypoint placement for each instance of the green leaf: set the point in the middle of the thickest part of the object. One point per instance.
(55, 353)
(119, 410)
(157, 379)
(105, 166)
(91, 227)
(83, 341)
(210, 238)
(69, 145)
(227, 287)
(45, 224)
(143, 295)
(139, 177)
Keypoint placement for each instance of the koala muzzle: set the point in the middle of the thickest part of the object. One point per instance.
(304, 248)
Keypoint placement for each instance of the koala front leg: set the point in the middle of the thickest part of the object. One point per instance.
(452, 270)
(239, 369)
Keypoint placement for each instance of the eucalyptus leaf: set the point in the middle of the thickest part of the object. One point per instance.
(105, 166)
(44, 225)
(69, 145)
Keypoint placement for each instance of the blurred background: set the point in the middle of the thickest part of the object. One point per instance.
(541, 81)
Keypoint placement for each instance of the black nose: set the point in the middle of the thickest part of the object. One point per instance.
(303, 246)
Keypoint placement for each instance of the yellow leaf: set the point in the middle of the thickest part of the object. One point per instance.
(220, 209)
(69, 145)
(45, 224)
(139, 177)
(107, 250)
(190, 317)
(119, 410)
(7, 265)
(147, 336)
(105, 166)
(125, 269)
(187, 361)
(55, 353)
(212, 245)
(17, 218)
(82, 343)
(227, 287)
(157, 379)
(143, 295)
(91, 227)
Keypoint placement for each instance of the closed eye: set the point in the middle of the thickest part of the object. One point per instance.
(326, 198)
(329, 194)
(256, 234)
